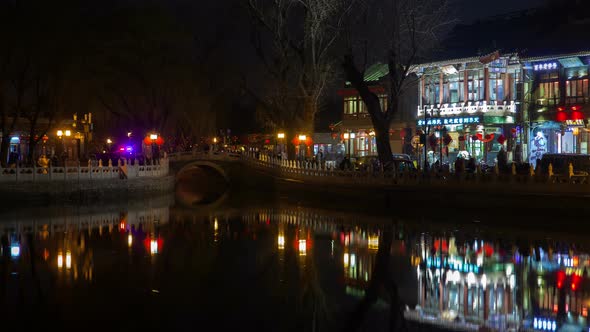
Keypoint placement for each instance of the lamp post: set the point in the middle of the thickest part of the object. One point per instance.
(280, 138)
(302, 139)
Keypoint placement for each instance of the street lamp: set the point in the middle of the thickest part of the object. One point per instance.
(153, 137)
(280, 137)
(302, 139)
(68, 133)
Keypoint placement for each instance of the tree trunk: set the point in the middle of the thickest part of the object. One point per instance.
(380, 120)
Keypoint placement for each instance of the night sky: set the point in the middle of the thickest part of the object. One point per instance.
(470, 10)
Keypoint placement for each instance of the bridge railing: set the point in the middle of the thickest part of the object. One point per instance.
(308, 169)
(329, 172)
(126, 169)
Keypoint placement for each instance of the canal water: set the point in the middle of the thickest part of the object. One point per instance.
(280, 267)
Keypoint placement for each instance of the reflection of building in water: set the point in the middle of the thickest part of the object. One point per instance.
(477, 282)
(64, 241)
(359, 250)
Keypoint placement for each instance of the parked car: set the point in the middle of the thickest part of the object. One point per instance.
(561, 162)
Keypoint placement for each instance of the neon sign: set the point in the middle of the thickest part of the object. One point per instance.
(545, 66)
(449, 121)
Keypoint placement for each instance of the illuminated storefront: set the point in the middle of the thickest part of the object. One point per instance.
(557, 99)
(468, 108)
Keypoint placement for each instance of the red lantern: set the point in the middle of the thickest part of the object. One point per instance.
(44, 138)
(147, 140)
(308, 141)
(159, 141)
(501, 139)
(487, 138)
(402, 134)
(296, 141)
(561, 116)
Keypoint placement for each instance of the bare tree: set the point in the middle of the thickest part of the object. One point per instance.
(295, 40)
(402, 34)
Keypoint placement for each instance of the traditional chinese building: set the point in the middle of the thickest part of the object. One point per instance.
(557, 99)
(469, 106)
(356, 128)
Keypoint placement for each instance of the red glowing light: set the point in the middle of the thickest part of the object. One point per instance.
(561, 116)
(575, 108)
(560, 108)
(577, 115)
(576, 279)
(555, 308)
(121, 149)
(560, 278)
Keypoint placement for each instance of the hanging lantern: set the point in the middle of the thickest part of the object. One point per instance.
(45, 138)
(513, 130)
(402, 134)
(501, 139)
(296, 141)
(308, 141)
(488, 138)
(159, 141)
(147, 140)
(334, 135)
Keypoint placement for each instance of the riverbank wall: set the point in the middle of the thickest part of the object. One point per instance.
(84, 192)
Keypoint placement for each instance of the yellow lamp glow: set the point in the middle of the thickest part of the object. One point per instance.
(281, 135)
(68, 133)
(68, 260)
(302, 137)
(214, 139)
(153, 136)
(109, 141)
(60, 133)
(345, 136)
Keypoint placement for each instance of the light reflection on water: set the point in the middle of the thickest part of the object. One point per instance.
(289, 267)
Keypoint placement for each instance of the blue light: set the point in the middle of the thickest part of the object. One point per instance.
(535, 323)
(544, 324)
(553, 326)
(129, 149)
(14, 250)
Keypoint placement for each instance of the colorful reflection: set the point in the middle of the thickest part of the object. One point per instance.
(449, 275)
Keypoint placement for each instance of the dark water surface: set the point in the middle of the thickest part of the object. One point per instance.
(285, 267)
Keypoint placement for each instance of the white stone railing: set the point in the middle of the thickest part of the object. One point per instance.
(126, 169)
(330, 173)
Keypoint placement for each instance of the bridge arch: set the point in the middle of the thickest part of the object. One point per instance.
(200, 164)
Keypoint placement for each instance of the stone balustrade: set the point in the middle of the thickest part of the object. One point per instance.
(126, 169)
(328, 172)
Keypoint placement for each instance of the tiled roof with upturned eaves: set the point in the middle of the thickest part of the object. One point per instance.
(375, 72)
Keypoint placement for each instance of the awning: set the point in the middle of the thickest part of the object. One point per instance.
(571, 62)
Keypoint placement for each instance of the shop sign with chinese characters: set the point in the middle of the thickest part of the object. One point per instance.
(450, 121)
(545, 66)
(575, 123)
